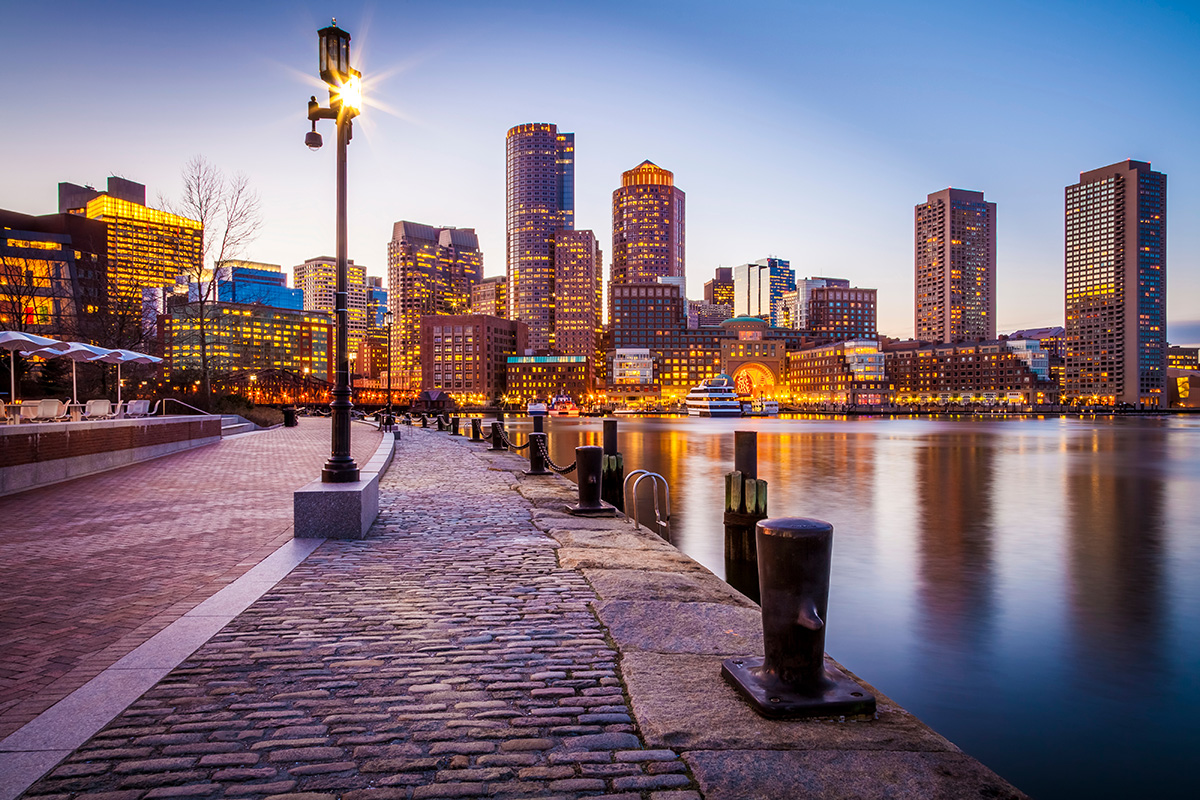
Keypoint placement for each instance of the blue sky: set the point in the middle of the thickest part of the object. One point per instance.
(802, 130)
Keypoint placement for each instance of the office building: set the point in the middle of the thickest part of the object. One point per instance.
(540, 188)
(466, 355)
(843, 373)
(955, 272)
(490, 297)
(51, 281)
(758, 288)
(719, 290)
(1116, 286)
(377, 302)
(647, 226)
(255, 282)
(578, 293)
(841, 313)
(969, 373)
(1183, 358)
(706, 315)
(317, 279)
(546, 377)
(430, 271)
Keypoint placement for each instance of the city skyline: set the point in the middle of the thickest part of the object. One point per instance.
(811, 151)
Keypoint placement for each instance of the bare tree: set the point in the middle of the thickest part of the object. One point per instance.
(230, 211)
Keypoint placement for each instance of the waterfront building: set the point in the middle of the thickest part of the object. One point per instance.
(578, 297)
(751, 358)
(466, 355)
(1183, 387)
(758, 288)
(255, 282)
(707, 315)
(987, 372)
(1051, 338)
(1116, 285)
(719, 290)
(837, 313)
(490, 297)
(955, 272)
(844, 373)
(546, 377)
(317, 279)
(248, 337)
(540, 189)
(1183, 357)
(633, 376)
(647, 226)
(430, 271)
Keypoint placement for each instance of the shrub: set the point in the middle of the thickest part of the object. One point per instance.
(264, 416)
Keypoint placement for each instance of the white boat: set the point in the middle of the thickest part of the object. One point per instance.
(537, 409)
(563, 407)
(714, 397)
(762, 408)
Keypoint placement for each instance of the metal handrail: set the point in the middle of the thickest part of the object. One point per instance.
(164, 400)
(664, 523)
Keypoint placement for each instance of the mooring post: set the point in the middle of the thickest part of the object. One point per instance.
(454, 423)
(589, 467)
(539, 423)
(424, 420)
(497, 436)
(441, 422)
(745, 499)
(476, 429)
(537, 461)
(614, 467)
(792, 679)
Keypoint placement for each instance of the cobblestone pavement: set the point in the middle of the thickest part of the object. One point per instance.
(95, 566)
(446, 656)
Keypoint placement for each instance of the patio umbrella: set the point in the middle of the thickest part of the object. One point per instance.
(17, 340)
(120, 357)
(76, 351)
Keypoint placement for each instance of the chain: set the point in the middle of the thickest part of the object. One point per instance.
(507, 443)
(560, 470)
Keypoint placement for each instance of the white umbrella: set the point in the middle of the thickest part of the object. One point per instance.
(17, 340)
(120, 357)
(76, 351)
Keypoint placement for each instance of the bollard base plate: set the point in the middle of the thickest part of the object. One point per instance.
(537, 472)
(772, 698)
(603, 510)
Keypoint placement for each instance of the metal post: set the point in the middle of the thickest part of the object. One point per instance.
(539, 423)
(341, 467)
(537, 463)
(476, 429)
(745, 453)
(497, 436)
(424, 421)
(614, 467)
(589, 466)
(441, 423)
(389, 365)
(610, 437)
(792, 679)
(454, 426)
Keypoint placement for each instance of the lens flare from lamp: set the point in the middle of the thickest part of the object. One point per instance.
(350, 93)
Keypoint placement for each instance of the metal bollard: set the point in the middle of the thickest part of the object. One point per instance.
(497, 436)
(745, 506)
(793, 679)
(539, 423)
(614, 468)
(589, 466)
(441, 424)
(476, 429)
(424, 421)
(537, 464)
(454, 427)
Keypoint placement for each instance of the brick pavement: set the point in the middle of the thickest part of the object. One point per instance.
(97, 565)
(447, 656)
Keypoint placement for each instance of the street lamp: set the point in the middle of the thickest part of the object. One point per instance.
(345, 99)
(387, 320)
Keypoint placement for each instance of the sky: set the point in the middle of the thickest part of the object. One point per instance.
(802, 130)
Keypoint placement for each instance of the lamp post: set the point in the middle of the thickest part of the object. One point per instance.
(345, 97)
(387, 320)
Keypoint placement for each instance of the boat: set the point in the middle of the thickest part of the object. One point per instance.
(563, 407)
(537, 409)
(761, 408)
(714, 397)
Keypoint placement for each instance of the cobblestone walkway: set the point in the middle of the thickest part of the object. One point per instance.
(95, 566)
(447, 656)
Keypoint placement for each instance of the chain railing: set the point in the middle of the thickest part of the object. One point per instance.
(508, 442)
(544, 450)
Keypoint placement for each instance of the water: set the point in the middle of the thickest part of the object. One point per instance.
(1028, 587)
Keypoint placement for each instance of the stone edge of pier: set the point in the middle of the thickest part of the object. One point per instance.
(673, 622)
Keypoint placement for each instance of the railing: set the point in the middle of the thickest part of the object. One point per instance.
(631, 508)
(163, 402)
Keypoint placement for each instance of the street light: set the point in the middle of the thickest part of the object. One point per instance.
(387, 320)
(345, 98)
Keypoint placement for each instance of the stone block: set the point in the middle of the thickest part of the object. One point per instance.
(336, 510)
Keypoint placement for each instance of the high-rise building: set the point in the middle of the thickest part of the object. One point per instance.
(467, 354)
(955, 249)
(317, 278)
(648, 226)
(840, 313)
(578, 294)
(255, 282)
(430, 271)
(1116, 276)
(540, 186)
(758, 288)
(377, 302)
(719, 291)
(490, 297)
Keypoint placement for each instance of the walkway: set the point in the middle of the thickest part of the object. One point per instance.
(96, 566)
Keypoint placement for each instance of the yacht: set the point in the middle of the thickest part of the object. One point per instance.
(714, 397)
(762, 408)
(563, 407)
(536, 409)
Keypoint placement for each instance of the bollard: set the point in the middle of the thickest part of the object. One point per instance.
(424, 421)
(476, 429)
(537, 464)
(614, 468)
(539, 423)
(589, 466)
(454, 427)
(497, 436)
(441, 424)
(793, 679)
(745, 501)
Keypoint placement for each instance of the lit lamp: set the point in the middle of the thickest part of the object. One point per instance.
(345, 99)
(387, 320)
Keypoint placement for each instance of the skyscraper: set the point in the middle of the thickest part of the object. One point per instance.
(648, 226)
(540, 201)
(430, 271)
(719, 291)
(1116, 276)
(955, 273)
(317, 278)
(578, 293)
(490, 297)
(758, 288)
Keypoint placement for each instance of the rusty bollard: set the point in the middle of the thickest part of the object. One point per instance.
(497, 436)
(537, 461)
(454, 427)
(589, 467)
(614, 468)
(792, 679)
(745, 499)
(476, 429)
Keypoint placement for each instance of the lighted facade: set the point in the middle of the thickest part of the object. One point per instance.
(1116, 285)
(706, 315)
(843, 373)
(256, 282)
(540, 188)
(838, 313)
(430, 271)
(490, 297)
(1183, 358)
(377, 302)
(758, 288)
(317, 279)
(991, 372)
(578, 295)
(546, 377)
(751, 358)
(648, 226)
(467, 355)
(955, 273)
(719, 290)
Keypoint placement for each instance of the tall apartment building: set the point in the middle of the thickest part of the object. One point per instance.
(648, 226)
(1116, 285)
(719, 290)
(540, 194)
(758, 288)
(842, 313)
(317, 278)
(955, 267)
(578, 291)
(430, 271)
(490, 297)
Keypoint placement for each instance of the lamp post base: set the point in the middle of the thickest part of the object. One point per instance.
(339, 472)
